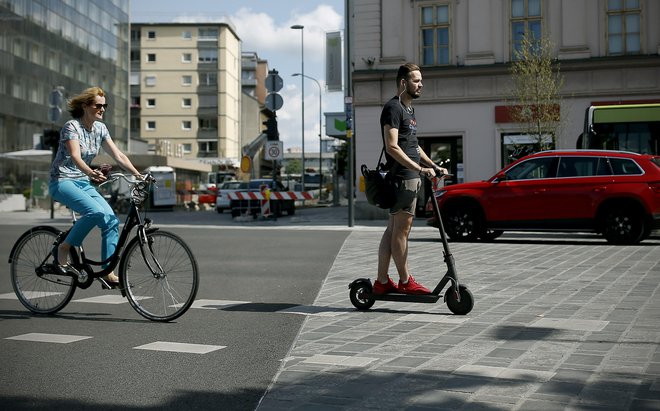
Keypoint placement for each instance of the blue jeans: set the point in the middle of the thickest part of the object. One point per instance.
(82, 197)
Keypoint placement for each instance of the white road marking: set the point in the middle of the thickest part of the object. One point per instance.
(48, 338)
(180, 347)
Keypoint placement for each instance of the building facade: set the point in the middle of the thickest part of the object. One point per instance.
(186, 90)
(607, 51)
(68, 46)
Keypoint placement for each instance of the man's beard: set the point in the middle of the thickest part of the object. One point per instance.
(414, 95)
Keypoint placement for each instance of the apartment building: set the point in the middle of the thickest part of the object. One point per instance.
(57, 44)
(608, 50)
(186, 90)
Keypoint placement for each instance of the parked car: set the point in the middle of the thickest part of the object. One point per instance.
(614, 193)
(222, 201)
(253, 207)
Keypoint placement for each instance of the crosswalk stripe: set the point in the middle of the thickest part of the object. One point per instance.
(180, 347)
(49, 338)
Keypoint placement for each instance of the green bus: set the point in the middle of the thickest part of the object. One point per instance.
(626, 127)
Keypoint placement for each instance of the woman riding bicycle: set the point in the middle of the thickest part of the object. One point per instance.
(71, 177)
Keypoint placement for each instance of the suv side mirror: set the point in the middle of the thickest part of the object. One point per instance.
(501, 176)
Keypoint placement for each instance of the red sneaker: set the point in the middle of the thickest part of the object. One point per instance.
(380, 288)
(412, 287)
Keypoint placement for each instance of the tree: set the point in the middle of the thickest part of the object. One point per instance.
(293, 166)
(536, 92)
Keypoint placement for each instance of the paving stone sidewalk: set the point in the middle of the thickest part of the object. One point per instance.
(560, 323)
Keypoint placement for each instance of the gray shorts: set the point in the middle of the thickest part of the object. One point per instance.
(406, 196)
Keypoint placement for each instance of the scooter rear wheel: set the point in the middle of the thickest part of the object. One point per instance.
(359, 294)
(459, 307)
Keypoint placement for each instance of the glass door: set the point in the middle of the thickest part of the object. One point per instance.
(447, 152)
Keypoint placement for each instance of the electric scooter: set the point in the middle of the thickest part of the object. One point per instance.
(458, 298)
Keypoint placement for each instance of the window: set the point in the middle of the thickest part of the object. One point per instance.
(525, 20)
(583, 167)
(623, 27)
(542, 167)
(208, 123)
(208, 100)
(186, 102)
(208, 34)
(207, 147)
(208, 55)
(208, 79)
(135, 55)
(186, 35)
(135, 36)
(151, 57)
(186, 80)
(135, 124)
(435, 35)
(515, 146)
(151, 35)
(623, 166)
(135, 101)
(151, 125)
(135, 79)
(186, 57)
(186, 125)
(187, 148)
(151, 102)
(150, 81)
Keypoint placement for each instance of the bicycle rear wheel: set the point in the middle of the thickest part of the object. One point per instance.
(41, 293)
(162, 283)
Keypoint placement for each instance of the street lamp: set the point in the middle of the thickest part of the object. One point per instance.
(320, 130)
(302, 82)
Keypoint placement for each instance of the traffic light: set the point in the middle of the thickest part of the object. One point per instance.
(51, 138)
(271, 129)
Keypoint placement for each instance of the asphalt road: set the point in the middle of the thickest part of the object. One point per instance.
(247, 278)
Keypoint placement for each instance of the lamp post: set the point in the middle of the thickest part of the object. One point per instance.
(302, 82)
(320, 129)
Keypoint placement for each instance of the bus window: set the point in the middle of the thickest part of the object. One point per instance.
(632, 127)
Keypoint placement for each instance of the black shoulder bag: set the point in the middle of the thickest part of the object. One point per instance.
(379, 184)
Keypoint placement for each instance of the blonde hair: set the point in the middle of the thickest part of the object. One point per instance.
(86, 97)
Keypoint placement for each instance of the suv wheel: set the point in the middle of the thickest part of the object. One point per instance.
(624, 225)
(490, 235)
(463, 222)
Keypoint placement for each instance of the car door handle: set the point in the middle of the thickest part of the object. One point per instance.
(600, 188)
(540, 191)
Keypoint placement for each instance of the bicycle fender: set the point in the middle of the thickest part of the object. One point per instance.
(28, 232)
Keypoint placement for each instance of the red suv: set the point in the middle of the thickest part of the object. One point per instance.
(614, 193)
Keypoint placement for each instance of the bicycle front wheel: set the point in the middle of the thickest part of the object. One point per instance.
(39, 291)
(160, 278)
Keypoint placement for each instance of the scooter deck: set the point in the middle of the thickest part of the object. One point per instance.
(412, 298)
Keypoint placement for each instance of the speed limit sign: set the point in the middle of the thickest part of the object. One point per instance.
(273, 150)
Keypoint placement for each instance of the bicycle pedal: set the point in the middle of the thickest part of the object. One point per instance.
(108, 286)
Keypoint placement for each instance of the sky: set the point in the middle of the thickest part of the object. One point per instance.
(264, 27)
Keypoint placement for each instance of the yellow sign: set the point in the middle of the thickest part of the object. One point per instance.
(246, 164)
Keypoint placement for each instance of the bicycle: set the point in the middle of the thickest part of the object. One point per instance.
(157, 270)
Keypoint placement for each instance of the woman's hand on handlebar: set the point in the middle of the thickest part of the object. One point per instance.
(97, 177)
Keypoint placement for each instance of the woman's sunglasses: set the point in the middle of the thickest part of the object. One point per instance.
(99, 106)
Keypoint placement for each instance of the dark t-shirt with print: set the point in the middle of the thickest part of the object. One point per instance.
(396, 116)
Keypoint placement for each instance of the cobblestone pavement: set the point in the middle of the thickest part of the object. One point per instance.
(560, 322)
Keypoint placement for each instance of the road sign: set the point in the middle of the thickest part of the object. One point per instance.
(274, 150)
(246, 164)
(274, 82)
(274, 101)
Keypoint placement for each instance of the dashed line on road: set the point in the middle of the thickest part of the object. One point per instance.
(49, 338)
(180, 347)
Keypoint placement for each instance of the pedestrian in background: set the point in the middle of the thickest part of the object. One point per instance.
(71, 178)
(408, 163)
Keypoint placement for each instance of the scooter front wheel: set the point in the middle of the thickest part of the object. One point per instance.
(360, 295)
(465, 304)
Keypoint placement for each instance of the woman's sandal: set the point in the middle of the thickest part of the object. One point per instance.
(65, 268)
(108, 284)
